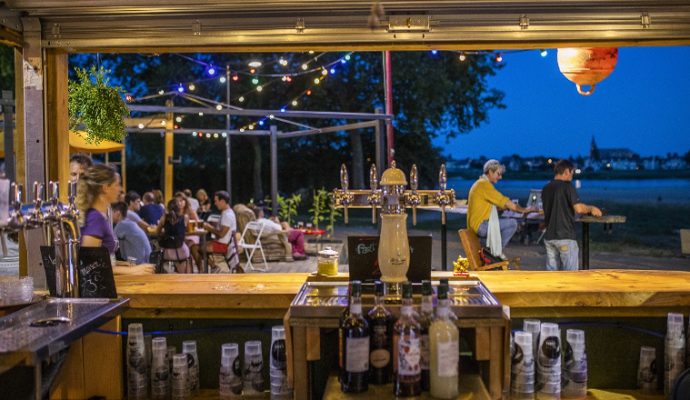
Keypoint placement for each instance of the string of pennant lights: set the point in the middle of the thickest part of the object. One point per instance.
(313, 65)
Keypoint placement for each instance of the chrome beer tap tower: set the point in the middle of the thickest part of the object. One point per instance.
(392, 198)
(60, 228)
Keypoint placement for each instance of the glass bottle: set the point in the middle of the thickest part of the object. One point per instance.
(444, 350)
(425, 317)
(355, 332)
(381, 331)
(406, 349)
(341, 338)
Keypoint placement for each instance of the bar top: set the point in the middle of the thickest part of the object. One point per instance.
(528, 293)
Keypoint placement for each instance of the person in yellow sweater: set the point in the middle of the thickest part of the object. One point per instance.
(483, 195)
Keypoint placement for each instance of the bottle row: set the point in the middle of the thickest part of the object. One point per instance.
(158, 372)
(417, 352)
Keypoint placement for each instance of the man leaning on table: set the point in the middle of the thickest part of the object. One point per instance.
(484, 200)
(561, 202)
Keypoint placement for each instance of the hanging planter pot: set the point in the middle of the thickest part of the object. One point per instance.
(96, 107)
(587, 66)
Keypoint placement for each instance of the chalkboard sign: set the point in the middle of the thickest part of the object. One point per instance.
(96, 273)
(48, 257)
(363, 251)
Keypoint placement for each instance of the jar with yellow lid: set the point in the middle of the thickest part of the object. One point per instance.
(327, 262)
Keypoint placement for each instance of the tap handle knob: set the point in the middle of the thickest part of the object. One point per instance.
(344, 182)
(38, 192)
(442, 177)
(373, 177)
(54, 190)
(414, 178)
(72, 189)
(18, 190)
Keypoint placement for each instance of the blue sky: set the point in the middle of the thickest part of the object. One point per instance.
(643, 105)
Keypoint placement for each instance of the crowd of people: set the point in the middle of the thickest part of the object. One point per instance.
(132, 227)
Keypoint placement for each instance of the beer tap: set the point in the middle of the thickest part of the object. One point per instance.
(374, 198)
(343, 197)
(444, 197)
(35, 217)
(412, 198)
(17, 221)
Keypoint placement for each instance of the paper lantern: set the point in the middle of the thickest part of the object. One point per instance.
(587, 66)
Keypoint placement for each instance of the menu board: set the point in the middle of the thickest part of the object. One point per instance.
(95, 273)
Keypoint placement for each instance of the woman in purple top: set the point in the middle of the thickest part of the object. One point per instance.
(98, 187)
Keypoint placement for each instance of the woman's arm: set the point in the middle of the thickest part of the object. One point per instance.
(161, 222)
(91, 241)
(193, 216)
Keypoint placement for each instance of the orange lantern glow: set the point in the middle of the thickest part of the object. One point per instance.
(587, 66)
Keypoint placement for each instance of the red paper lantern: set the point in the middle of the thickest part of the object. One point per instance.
(587, 66)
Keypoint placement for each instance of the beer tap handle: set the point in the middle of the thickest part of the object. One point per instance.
(18, 190)
(54, 191)
(374, 184)
(442, 178)
(414, 184)
(344, 184)
(72, 190)
(38, 194)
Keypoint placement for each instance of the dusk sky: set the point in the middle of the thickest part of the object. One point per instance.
(643, 105)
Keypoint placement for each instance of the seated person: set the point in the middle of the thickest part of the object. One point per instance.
(481, 200)
(172, 229)
(224, 232)
(150, 212)
(133, 202)
(133, 240)
(295, 236)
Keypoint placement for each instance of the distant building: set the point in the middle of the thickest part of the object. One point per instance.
(674, 163)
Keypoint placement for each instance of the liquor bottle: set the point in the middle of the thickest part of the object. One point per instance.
(355, 332)
(406, 349)
(444, 349)
(341, 338)
(425, 317)
(381, 330)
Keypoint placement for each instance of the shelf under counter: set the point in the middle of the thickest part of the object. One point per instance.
(470, 387)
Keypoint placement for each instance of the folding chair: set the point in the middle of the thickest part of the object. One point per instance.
(256, 229)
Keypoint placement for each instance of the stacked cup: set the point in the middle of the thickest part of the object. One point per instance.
(522, 367)
(230, 377)
(575, 368)
(253, 368)
(675, 350)
(533, 326)
(189, 348)
(16, 290)
(160, 369)
(136, 363)
(180, 380)
(549, 362)
(279, 388)
(646, 371)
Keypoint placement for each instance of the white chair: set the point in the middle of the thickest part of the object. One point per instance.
(256, 228)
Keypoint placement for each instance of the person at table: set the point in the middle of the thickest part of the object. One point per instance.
(191, 241)
(78, 163)
(150, 212)
(294, 236)
(97, 188)
(131, 238)
(133, 202)
(484, 200)
(193, 203)
(224, 233)
(172, 229)
(204, 203)
(561, 202)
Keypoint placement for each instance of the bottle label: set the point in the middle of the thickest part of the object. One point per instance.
(424, 352)
(357, 354)
(408, 356)
(278, 358)
(380, 358)
(448, 356)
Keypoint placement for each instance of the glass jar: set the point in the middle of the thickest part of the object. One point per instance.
(327, 262)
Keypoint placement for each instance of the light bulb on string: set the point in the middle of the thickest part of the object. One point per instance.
(200, 134)
(140, 126)
(324, 72)
(194, 134)
(208, 135)
(317, 81)
(211, 70)
(332, 71)
(235, 77)
(343, 61)
(499, 57)
(222, 79)
(178, 119)
(271, 116)
(289, 79)
(347, 57)
(304, 67)
(219, 107)
(255, 81)
(311, 51)
(201, 114)
(434, 52)
(129, 98)
(251, 71)
(180, 88)
(282, 109)
(284, 78)
(255, 64)
(241, 99)
(161, 92)
(283, 62)
(462, 57)
(241, 129)
(251, 127)
(162, 122)
(543, 53)
(224, 134)
(294, 102)
(261, 122)
(192, 87)
(308, 92)
(259, 88)
(215, 135)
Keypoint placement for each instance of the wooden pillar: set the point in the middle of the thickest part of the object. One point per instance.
(57, 119)
(123, 167)
(274, 169)
(168, 157)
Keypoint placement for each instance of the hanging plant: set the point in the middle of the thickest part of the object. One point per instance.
(96, 107)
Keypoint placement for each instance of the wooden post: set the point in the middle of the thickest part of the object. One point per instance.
(123, 168)
(57, 119)
(169, 152)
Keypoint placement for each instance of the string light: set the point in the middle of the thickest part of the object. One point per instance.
(255, 64)
(462, 57)
(222, 79)
(255, 81)
(192, 87)
(543, 53)
(219, 107)
(180, 89)
(434, 52)
(224, 134)
(499, 57)
(305, 66)
(162, 122)
(178, 119)
(259, 88)
(141, 126)
(215, 135)
(201, 114)
(211, 70)
(283, 62)
(294, 103)
(317, 81)
(324, 72)
(235, 77)
(241, 99)
(161, 92)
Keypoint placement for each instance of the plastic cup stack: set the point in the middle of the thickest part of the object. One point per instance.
(253, 368)
(646, 371)
(160, 369)
(16, 290)
(136, 363)
(674, 350)
(279, 388)
(522, 367)
(533, 326)
(171, 352)
(575, 368)
(189, 348)
(230, 376)
(549, 362)
(180, 384)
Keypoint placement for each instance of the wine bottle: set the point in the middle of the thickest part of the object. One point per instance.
(425, 317)
(406, 349)
(381, 330)
(355, 332)
(341, 338)
(444, 350)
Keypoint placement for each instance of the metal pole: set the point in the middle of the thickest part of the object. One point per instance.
(228, 153)
(274, 169)
(444, 246)
(388, 94)
(8, 112)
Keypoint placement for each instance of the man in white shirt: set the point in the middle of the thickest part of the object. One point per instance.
(133, 202)
(193, 203)
(225, 231)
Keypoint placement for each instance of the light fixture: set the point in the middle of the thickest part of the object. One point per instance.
(211, 70)
(161, 92)
(259, 88)
(543, 53)
(224, 134)
(317, 81)
(462, 57)
(255, 64)
(294, 102)
(241, 99)
(141, 126)
(215, 135)
(222, 79)
(162, 122)
(304, 67)
(255, 81)
(587, 66)
(192, 87)
(201, 114)
(499, 58)
(178, 119)
(219, 107)
(180, 88)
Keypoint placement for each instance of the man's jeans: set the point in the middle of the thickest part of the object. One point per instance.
(562, 254)
(508, 229)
